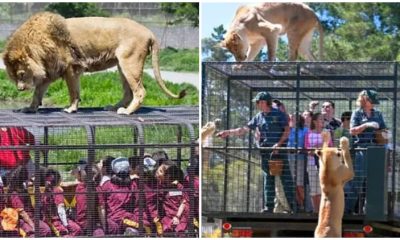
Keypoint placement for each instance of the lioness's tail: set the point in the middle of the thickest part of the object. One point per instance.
(321, 40)
(156, 69)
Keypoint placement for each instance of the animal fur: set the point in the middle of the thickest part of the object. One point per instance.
(255, 26)
(336, 168)
(47, 47)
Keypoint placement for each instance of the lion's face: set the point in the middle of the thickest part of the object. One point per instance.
(235, 44)
(22, 69)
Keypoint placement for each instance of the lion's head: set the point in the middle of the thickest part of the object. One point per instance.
(236, 45)
(22, 68)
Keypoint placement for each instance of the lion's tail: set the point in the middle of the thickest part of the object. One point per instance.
(321, 40)
(155, 48)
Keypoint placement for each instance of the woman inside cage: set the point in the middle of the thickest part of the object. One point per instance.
(364, 123)
(274, 132)
(313, 139)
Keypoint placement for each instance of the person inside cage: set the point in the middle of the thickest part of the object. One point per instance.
(313, 139)
(175, 202)
(328, 113)
(10, 159)
(274, 131)
(307, 118)
(53, 205)
(151, 217)
(193, 169)
(344, 129)
(297, 157)
(82, 198)
(160, 156)
(364, 123)
(118, 201)
(22, 203)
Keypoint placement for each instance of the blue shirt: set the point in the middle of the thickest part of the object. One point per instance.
(359, 117)
(301, 132)
(271, 126)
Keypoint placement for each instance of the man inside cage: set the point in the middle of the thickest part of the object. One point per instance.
(365, 122)
(10, 159)
(274, 130)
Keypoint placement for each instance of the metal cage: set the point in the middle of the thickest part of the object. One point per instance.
(231, 176)
(62, 141)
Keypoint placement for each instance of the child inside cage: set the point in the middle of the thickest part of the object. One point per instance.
(313, 139)
(117, 200)
(151, 217)
(82, 198)
(53, 204)
(21, 202)
(175, 201)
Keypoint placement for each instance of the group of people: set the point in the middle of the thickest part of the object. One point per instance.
(163, 189)
(293, 138)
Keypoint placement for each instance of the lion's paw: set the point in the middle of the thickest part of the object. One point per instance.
(344, 143)
(70, 110)
(123, 111)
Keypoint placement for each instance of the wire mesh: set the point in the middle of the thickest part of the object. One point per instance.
(232, 168)
(96, 173)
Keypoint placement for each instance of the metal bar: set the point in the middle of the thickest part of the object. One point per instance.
(97, 146)
(249, 156)
(228, 114)
(394, 134)
(90, 187)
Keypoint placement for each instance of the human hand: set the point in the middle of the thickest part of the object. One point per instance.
(175, 220)
(372, 125)
(312, 105)
(223, 134)
(275, 151)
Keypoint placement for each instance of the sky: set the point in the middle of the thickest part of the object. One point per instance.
(215, 14)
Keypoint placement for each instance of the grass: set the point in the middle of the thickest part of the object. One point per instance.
(178, 60)
(99, 90)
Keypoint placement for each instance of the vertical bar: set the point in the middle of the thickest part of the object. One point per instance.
(46, 142)
(228, 112)
(179, 149)
(249, 158)
(38, 202)
(393, 195)
(298, 72)
(91, 191)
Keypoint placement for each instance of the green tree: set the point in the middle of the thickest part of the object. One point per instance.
(83, 9)
(360, 31)
(210, 46)
(182, 12)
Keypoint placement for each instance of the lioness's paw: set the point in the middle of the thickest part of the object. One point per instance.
(344, 143)
(70, 110)
(123, 111)
(237, 67)
(28, 110)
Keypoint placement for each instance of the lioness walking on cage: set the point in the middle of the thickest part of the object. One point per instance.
(274, 131)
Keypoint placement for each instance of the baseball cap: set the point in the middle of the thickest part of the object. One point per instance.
(120, 165)
(372, 95)
(149, 164)
(262, 96)
(81, 165)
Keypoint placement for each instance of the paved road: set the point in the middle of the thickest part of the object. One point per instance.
(175, 77)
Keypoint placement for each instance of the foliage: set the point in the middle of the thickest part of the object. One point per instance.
(78, 9)
(210, 48)
(101, 89)
(179, 60)
(182, 11)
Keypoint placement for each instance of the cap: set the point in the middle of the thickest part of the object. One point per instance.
(262, 96)
(120, 165)
(149, 164)
(81, 165)
(372, 95)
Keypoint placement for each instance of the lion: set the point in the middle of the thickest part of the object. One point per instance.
(206, 134)
(335, 169)
(47, 47)
(255, 26)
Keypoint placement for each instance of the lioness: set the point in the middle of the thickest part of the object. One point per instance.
(47, 47)
(335, 169)
(256, 25)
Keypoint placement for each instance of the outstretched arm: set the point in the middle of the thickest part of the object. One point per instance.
(233, 132)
